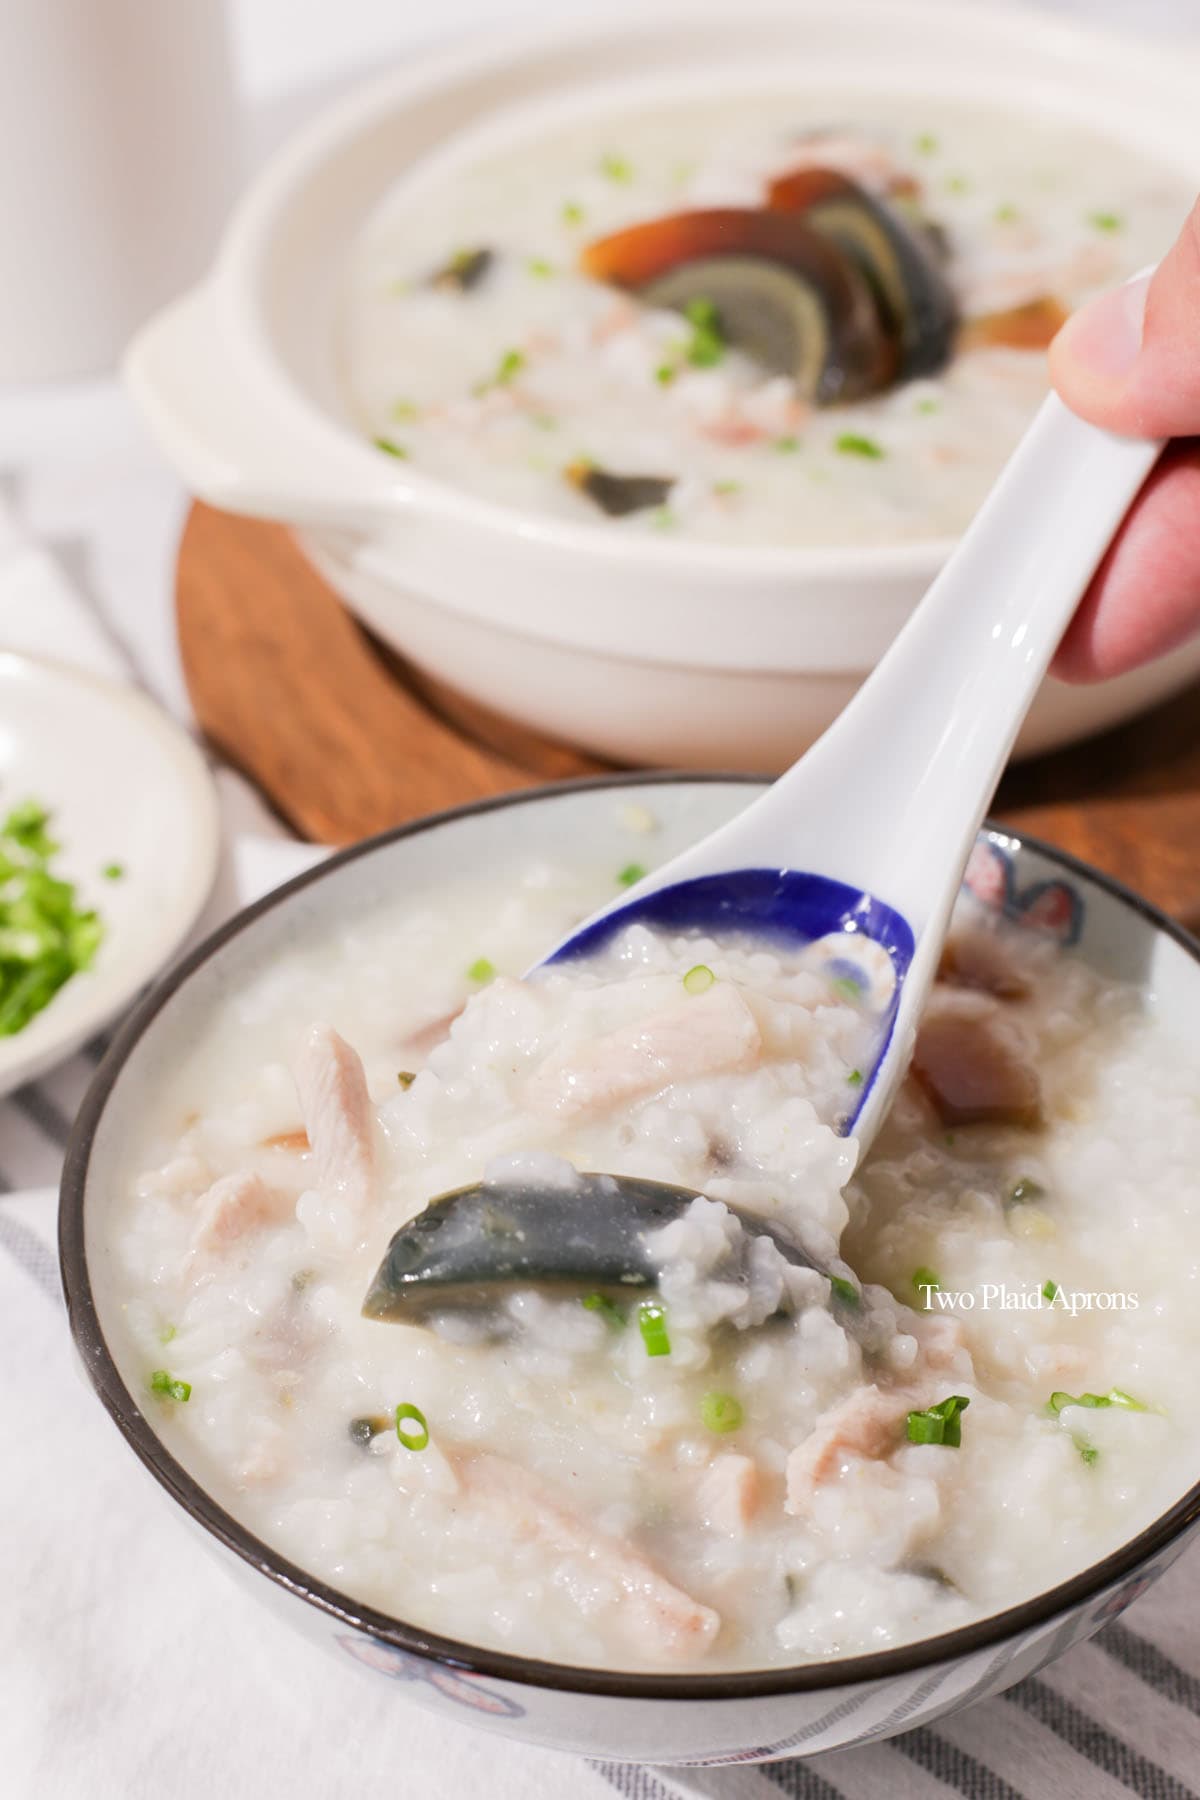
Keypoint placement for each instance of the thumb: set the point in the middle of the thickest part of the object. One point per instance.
(1130, 360)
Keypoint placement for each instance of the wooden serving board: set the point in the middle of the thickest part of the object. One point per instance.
(343, 739)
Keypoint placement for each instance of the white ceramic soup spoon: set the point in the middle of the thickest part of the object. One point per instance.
(862, 844)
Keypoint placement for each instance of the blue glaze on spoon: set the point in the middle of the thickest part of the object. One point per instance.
(780, 906)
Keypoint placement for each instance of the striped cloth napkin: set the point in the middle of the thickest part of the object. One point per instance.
(127, 1671)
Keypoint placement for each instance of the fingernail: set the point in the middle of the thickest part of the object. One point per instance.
(1106, 335)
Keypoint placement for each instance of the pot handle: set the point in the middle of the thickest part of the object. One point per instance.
(242, 448)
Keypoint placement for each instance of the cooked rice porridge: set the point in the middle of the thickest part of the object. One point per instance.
(812, 1412)
(780, 318)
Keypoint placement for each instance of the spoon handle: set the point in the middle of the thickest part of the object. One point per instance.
(920, 747)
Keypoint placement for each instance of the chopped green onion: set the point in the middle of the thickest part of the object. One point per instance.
(786, 446)
(608, 1309)
(847, 987)
(948, 1139)
(537, 265)
(652, 1323)
(721, 1412)
(572, 213)
(845, 1290)
(1050, 1291)
(507, 370)
(727, 487)
(1006, 213)
(929, 405)
(663, 519)
(364, 1429)
(1114, 1397)
(924, 1278)
(665, 374)
(855, 1078)
(408, 1414)
(1024, 1190)
(45, 937)
(631, 874)
(391, 448)
(482, 971)
(113, 871)
(404, 411)
(1089, 1452)
(1105, 221)
(166, 1333)
(940, 1424)
(406, 1077)
(698, 979)
(706, 347)
(925, 144)
(957, 184)
(163, 1383)
(852, 443)
(616, 168)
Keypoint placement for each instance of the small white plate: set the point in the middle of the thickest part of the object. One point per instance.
(123, 785)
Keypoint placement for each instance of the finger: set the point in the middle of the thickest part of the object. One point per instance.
(1130, 360)
(1145, 597)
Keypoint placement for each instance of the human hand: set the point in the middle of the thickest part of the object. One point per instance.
(1130, 361)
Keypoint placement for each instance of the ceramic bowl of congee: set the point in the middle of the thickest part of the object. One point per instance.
(537, 1344)
(636, 380)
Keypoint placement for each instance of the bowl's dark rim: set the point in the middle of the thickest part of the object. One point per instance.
(499, 1665)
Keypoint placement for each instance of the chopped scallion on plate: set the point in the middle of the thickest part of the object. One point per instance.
(630, 875)
(925, 1281)
(698, 979)
(45, 935)
(845, 1290)
(482, 971)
